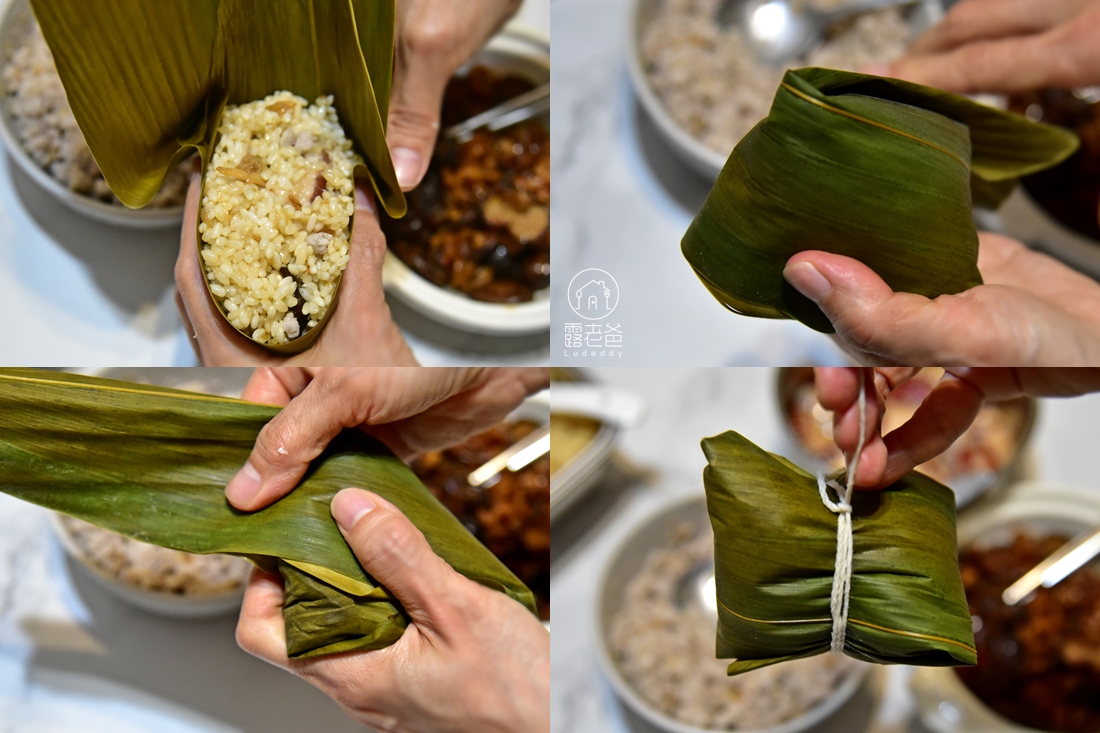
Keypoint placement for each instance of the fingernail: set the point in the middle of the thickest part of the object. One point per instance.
(406, 162)
(363, 200)
(349, 506)
(243, 487)
(876, 69)
(807, 280)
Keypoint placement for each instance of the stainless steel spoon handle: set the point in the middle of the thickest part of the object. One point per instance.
(524, 107)
(1069, 557)
(863, 6)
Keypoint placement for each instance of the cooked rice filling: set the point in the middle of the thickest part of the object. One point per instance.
(276, 214)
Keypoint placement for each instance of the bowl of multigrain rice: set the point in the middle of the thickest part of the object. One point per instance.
(509, 53)
(658, 652)
(703, 90)
(41, 135)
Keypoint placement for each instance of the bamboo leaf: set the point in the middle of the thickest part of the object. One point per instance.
(147, 81)
(876, 169)
(775, 554)
(152, 463)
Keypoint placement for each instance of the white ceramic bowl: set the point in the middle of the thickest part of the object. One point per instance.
(14, 25)
(159, 602)
(529, 56)
(695, 154)
(657, 531)
(947, 705)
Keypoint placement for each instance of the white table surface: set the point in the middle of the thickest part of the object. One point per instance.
(81, 293)
(685, 406)
(621, 201)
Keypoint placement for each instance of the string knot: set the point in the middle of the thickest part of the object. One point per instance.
(842, 507)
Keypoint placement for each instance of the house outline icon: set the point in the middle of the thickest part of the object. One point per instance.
(590, 294)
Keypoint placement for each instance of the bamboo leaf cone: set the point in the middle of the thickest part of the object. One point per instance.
(148, 82)
(151, 463)
(775, 547)
(877, 169)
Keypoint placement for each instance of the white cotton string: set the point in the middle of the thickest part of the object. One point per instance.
(842, 574)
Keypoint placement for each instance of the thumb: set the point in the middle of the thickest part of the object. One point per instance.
(396, 554)
(979, 326)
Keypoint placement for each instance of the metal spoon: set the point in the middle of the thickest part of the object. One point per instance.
(780, 31)
(1050, 572)
(696, 589)
(515, 110)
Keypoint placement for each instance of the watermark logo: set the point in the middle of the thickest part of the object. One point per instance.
(593, 294)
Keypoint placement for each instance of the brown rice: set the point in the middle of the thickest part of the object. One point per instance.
(276, 215)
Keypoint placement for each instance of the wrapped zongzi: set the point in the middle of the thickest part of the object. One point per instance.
(151, 463)
(775, 556)
(266, 96)
(877, 169)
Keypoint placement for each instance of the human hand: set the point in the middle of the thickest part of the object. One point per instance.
(1031, 311)
(472, 660)
(944, 415)
(360, 331)
(434, 38)
(1006, 46)
(410, 410)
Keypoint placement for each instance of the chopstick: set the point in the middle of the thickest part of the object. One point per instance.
(518, 455)
(1052, 571)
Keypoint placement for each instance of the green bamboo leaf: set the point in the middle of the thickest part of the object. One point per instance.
(151, 463)
(775, 554)
(877, 169)
(146, 81)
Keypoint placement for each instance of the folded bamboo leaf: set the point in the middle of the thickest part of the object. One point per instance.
(775, 547)
(151, 463)
(148, 83)
(877, 169)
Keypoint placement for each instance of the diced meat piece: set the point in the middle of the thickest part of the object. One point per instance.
(526, 225)
(320, 242)
(304, 142)
(290, 326)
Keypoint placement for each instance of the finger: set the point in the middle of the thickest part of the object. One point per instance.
(1054, 58)
(275, 385)
(421, 72)
(989, 19)
(942, 417)
(396, 554)
(188, 329)
(846, 426)
(362, 330)
(219, 344)
(340, 398)
(261, 630)
(985, 325)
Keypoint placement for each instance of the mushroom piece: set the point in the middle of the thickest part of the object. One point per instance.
(320, 242)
